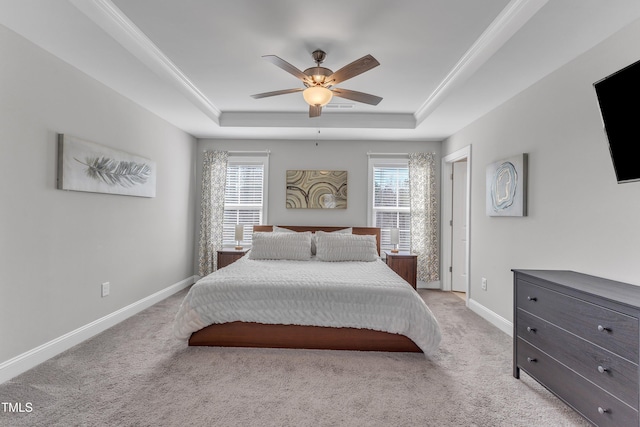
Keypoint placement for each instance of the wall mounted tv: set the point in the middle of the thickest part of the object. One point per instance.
(619, 100)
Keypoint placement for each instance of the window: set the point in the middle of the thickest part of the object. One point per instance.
(389, 200)
(245, 196)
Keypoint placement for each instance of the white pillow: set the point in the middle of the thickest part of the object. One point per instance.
(314, 243)
(277, 229)
(343, 231)
(346, 247)
(292, 246)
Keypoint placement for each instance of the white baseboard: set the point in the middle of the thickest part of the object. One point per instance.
(429, 285)
(25, 361)
(495, 319)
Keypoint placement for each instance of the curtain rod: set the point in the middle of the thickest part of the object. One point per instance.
(387, 154)
(235, 153)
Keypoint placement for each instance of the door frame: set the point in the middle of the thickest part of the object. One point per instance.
(446, 214)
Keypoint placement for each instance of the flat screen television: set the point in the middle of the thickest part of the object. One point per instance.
(619, 100)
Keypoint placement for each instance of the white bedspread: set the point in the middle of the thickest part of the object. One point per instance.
(366, 295)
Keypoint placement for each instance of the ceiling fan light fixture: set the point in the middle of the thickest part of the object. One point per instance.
(320, 81)
(317, 96)
(318, 75)
(317, 79)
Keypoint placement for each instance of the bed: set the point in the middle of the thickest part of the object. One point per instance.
(341, 296)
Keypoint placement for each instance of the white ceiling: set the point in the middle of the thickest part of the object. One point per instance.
(195, 63)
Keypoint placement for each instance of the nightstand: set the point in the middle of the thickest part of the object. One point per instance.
(405, 264)
(229, 256)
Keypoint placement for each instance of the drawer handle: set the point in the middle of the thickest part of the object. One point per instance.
(530, 329)
(602, 411)
(534, 299)
(602, 369)
(603, 328)
(531, 359)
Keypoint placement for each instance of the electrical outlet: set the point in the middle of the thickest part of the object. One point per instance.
(105, 289)
(484, 284)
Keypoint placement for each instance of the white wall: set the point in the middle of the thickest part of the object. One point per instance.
(329, 155)
(579, 217)
(57, 247)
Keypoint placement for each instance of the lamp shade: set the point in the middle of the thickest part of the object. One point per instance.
(395, 236)
(239, 232)
(317, 95)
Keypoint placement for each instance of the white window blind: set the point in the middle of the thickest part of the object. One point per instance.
(244, 201)
(390, 201)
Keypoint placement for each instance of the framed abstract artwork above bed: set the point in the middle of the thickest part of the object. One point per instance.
(95, 168)
(316, 189)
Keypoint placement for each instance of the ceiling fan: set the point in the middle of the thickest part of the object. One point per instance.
(319, 81)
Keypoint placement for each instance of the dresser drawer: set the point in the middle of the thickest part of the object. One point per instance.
(616, 375)
(590, 401)
(607, 328)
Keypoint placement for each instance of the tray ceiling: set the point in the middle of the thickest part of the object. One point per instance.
(195, 63)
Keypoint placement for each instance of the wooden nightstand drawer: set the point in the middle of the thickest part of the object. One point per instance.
(229, 256)
(405, 265)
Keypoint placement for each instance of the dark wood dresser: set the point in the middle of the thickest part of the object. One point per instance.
(578, 336)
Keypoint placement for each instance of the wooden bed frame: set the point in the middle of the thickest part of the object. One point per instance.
(248, 334)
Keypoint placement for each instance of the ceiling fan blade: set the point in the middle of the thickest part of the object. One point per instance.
(276, 92)
(279, 62)
(353, 95)
(315, 110)
(357, 67)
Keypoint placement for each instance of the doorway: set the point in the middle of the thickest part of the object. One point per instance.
(459, 228)
(456, 229)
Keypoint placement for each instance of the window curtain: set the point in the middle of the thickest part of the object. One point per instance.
(424, 215)
(214, 178)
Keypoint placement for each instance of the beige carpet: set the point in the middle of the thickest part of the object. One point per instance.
(137, 374)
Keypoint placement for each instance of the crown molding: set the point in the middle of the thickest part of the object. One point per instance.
(115, 23)
(326, 120)
(515, 15)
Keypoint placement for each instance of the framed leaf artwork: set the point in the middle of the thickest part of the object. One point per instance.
(95, 168)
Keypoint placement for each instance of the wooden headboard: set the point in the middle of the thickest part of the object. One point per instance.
(356, 230)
